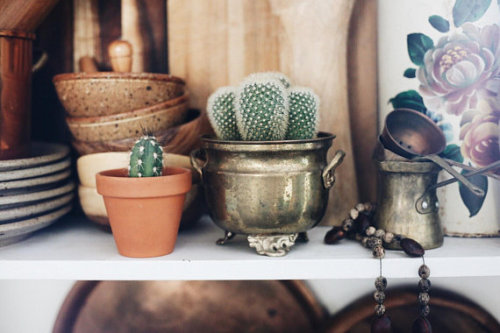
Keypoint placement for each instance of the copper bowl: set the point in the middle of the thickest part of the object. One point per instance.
(181, 139)
(108, 93)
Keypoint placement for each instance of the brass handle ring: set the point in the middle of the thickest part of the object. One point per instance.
(329, 172)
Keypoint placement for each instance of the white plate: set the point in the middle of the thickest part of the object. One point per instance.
(25, 185)
(10, 200)
(13, 232)
(26, 211)
(41, 153)
(36, 171)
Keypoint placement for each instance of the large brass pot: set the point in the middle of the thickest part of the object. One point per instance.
(267, 188)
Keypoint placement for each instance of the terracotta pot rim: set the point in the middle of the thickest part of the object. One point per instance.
(17, 34)
(116, 183)
(159, 107)
(118, 75)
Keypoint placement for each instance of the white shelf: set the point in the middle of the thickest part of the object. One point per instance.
(75, 249)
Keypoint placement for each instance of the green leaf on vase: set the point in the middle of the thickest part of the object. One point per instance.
(410, 99)
(472, 201)
(469, 10)
(410, 73)
(418, 44)
(452, 152)
(439, 23)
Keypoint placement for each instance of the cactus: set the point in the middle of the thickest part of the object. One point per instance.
(269, 76)
(262, 110)
(220, 109)
(146, 158)
(304, 114)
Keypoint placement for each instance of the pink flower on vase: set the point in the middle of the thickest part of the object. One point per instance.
(458, 67)
(480, 132)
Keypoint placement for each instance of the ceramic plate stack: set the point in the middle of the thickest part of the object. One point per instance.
(34, 191)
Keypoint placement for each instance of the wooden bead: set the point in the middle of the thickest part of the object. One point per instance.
(354, 213)
(378, 252)
(424, 285)
(373, 242)
(379, 233)
(362, 223)
(380, 283)
(381, 324)
(412, 247)
(424, 298)
(370, 231)
(347, 224)
(425, 310)
(334, 235)
(379, 309)
(421, 325)
(424, 272)
(379, 297)
(360, 207)
(388, 237)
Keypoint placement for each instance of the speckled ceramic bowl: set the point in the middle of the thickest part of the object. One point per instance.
(180, 139)
(107, 93)
(129, 125)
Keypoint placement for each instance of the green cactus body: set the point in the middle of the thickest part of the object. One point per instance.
(262, 110)
(304, 114)
(221, 113)
(146, 158)
(270, 76)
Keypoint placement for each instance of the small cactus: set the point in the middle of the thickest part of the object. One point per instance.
(269, 76)
(146, 158)
(262, 110)
(221, 114)
(304, 114)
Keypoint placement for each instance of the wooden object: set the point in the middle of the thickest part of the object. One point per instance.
(15, 93)
(217, 43)
(87, 65)
(362, 80)
(120, 55)
(24, 15)
(86, 31)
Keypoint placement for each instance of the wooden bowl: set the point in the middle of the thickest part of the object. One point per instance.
(107, 93)
(180, 139)
(127, 125)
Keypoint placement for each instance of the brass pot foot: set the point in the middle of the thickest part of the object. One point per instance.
(272, 245)
(302, 238)
(227, 237)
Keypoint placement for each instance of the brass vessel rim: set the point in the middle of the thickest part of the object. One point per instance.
(321, 140)
(407, 166)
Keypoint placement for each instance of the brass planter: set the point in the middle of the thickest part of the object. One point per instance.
(268, 190)
(407, 202)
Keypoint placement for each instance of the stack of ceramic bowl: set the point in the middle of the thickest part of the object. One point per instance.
(92, 202)
(108, 111)
(34, 191)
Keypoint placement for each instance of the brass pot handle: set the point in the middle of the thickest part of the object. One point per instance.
(329, 171)
(195, 161)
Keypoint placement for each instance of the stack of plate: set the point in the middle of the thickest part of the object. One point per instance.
(34, 191)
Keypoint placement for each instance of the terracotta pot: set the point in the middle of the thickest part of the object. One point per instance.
(144, 213)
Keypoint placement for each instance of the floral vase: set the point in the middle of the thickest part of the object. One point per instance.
(442, 58)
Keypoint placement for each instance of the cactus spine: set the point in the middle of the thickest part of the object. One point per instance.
(262, 110)
(304, 114)
(271, 76)
(221, 113)
(146, 158)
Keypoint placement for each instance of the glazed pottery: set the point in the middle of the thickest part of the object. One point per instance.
(39, 153)
(16, 231)
(31, 184)
(144, 213)
(21, 199)
(268, 190)
(37, 171)
(181, 139)
(107, 93)
(459, 93)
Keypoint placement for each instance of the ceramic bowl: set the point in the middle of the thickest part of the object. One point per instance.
(181, 139)
(154, 119)
(19, 200)
(89, 165)
(40, 153)
(106, 93)
(32, 184)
